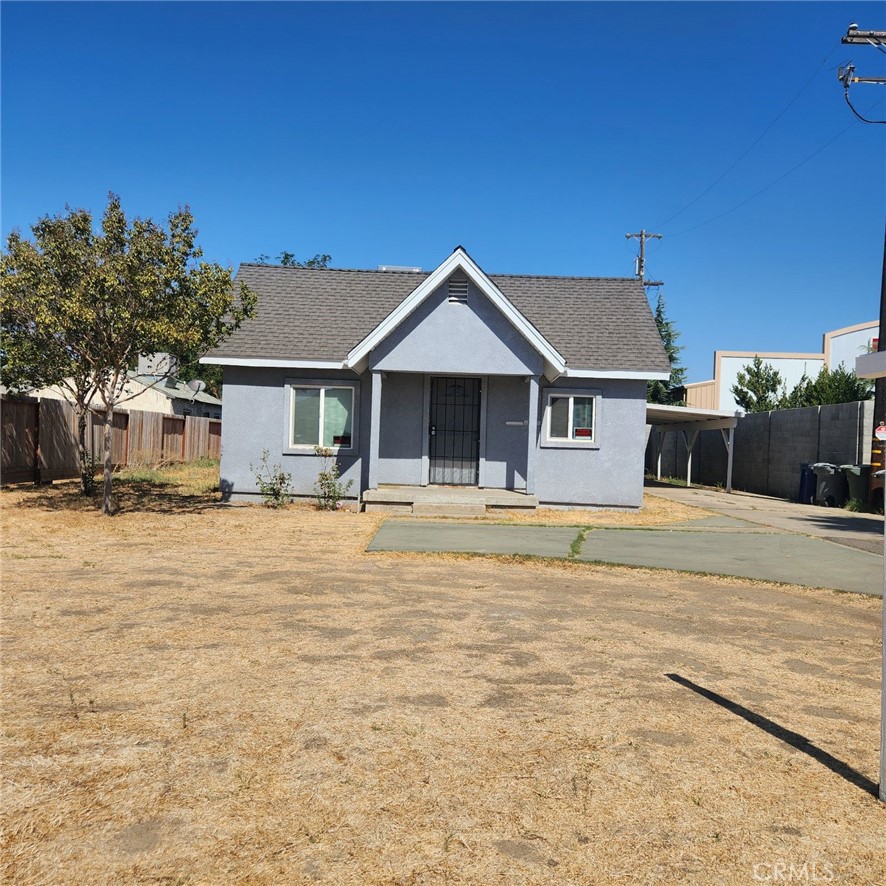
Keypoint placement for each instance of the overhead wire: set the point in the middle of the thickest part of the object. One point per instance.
(852, 108)
(752, 145)
(775, 181)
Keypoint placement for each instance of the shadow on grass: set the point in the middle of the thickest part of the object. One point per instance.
(129, 496)
(794, 739)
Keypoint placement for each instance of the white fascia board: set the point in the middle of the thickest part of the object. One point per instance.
(871, 365)
(264, 363)
(458, 260)
(699, 425)
(647, 374)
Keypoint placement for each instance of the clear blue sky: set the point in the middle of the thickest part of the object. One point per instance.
(536, 135)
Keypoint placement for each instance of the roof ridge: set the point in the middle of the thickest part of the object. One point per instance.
(249, 264)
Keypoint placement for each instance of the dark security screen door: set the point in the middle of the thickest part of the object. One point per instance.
(454, 448)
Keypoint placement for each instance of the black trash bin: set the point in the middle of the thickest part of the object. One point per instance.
(807, 484)
(858, 479)
(831, 487)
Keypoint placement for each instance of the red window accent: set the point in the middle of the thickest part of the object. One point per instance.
(582, 432)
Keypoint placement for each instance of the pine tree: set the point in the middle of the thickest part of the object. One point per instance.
(758, 386)
(663, 392)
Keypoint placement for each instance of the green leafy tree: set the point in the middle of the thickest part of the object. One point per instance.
(190, 368)
(288, 260)
(839, 386)
(757, 387)
(664, 392)
(79, 305)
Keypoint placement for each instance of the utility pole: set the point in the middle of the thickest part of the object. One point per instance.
(878, 449)
(847, 77)
(641, 258)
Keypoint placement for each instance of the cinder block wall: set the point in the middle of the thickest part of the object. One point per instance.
(770, 447)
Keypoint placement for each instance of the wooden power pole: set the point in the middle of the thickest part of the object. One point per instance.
(643, 236)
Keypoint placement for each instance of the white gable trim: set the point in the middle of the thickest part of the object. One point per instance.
(459, 260)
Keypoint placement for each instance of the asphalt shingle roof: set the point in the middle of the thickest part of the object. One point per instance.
(321, 314)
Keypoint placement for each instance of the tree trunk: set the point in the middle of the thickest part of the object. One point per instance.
(86, 484)
(107, 505)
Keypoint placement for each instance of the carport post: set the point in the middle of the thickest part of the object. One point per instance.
(728, 443)
(659, 445)
(690, 442)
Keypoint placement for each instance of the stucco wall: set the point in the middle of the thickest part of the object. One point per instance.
(468, 339)
(256, 413)
(507, 400)
(849, 346)
(611, 473)
(402, 427)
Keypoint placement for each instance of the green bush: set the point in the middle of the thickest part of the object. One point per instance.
(274, 484)
(329, 489)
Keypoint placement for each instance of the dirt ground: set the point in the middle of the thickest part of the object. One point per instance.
(196, 694)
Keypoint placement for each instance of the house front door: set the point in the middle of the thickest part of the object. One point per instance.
(454, 445)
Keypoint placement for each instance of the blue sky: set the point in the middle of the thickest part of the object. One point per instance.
(536, 135)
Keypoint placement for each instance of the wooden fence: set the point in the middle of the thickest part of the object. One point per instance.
(38, 439)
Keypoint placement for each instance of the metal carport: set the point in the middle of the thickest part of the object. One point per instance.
(688, 421)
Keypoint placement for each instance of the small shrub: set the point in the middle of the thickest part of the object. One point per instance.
(274, 484)
(858, 506)
(329, 489)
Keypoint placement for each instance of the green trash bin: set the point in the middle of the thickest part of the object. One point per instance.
(859, 479)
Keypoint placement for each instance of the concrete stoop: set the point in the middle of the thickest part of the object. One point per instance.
(444, 501)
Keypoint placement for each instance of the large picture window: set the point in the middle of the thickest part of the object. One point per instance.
(322, 415)
(571, 417)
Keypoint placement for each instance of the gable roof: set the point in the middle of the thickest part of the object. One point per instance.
(555, 363)
(321, 316)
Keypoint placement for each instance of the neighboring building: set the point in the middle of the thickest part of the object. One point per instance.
(838, 346)
(154, 391)
(530, 384)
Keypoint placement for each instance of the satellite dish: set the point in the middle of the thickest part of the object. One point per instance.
(197, 386)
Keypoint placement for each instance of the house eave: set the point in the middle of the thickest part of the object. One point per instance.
(268, 363)
(629, 374)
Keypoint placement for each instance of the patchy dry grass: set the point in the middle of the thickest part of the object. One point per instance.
(196, 694)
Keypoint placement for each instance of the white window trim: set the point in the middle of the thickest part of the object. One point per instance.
(292, 446)
(592, 442)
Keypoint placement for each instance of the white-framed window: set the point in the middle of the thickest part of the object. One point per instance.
(571, 417)
(321, 415)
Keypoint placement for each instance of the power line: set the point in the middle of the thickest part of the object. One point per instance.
(753, 144)
(774, 182)
(852, 108)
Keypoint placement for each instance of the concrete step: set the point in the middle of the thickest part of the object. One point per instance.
(448, 509)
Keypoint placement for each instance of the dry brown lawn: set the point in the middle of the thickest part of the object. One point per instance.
(196, 694)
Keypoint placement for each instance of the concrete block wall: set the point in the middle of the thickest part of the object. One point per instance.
(770, 446)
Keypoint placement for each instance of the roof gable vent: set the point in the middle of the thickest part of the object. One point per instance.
(458, 290)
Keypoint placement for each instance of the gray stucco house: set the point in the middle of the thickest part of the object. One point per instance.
(453, 377)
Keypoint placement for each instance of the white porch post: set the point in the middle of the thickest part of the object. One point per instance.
(659, 446)
(532, 435)
(690, 442)
(374, 428)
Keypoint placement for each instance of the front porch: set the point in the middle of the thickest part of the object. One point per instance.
(444, 501)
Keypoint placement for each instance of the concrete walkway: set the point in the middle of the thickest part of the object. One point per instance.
(864, 531)
(767, 542)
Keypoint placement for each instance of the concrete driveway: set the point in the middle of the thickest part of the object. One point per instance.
(863, 531)
(749, 536)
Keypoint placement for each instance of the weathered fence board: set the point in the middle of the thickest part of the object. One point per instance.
(19, 441)
(39, 439)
